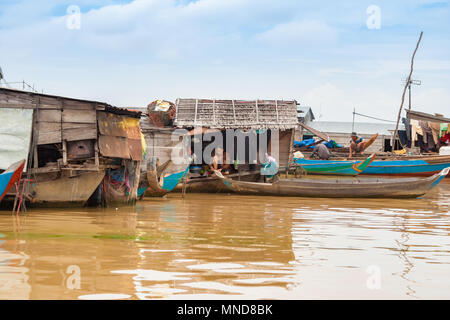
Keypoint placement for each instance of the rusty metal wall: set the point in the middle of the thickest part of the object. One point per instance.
(120, 136)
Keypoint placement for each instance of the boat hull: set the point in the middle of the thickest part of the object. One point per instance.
(349, 168)
(65, 190)
(213, 184)
(10, 177)
(409, 167)
(326, 188)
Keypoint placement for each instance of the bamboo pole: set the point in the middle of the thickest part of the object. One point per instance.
(404, 91)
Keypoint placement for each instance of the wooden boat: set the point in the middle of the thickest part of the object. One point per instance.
(213, 184)
(64, 190)
(166, 161)
(410, 166)
(339, 188)
(334, 168)
(159, 185)
(11, 175)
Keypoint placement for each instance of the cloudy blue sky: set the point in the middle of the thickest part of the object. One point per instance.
(320, 53)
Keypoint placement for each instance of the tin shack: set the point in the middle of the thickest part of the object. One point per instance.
(78, 152)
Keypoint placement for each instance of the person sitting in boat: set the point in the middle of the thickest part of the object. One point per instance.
(220, 162)
(356, 145)
(269, 168)
(445, 138)
(321, 151)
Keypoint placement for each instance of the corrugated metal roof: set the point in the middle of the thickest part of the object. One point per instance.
(302, 111)
(360, 127)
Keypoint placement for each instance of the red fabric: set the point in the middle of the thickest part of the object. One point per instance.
(445, 138)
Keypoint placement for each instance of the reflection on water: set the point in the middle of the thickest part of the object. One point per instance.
(230, 247)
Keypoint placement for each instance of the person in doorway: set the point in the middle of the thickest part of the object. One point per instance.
(356, 145)
(321, 151)
(220, 162)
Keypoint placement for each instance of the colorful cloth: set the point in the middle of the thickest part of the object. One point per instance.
(270, 167)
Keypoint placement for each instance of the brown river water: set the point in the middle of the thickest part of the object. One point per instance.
(231, 247)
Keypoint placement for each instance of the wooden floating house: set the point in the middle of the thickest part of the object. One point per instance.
(272, 121)
(77, 151)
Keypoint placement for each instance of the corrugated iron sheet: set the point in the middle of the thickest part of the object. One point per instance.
(114, 147)
(135, 148)
(120, 136)
(120, 126)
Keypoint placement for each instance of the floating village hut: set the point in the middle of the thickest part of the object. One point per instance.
(77, 151)
(265, 125)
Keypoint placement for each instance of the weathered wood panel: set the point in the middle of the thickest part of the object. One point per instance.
(79, 134)
(48, 132)
(71, 125)
(85, 116)
(49, 116)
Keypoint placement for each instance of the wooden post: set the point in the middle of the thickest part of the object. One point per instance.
(234, 111)
(97, 161)
(183, 192)
(276, 108)
(214, 111)
(35, 157)
(404, 93)
(64, 145)
(195, 115)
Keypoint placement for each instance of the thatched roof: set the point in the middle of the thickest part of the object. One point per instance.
(229, 114)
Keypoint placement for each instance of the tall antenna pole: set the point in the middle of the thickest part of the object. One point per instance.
(408, 81)
(353, 123)
(409, 91)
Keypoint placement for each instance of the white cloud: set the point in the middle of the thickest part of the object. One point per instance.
(296, 33)
(320, 54)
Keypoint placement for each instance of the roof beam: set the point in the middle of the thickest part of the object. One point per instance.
(315, 132)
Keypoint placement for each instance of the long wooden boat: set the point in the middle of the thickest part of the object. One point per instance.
(213, 184)
(413, 166)
(334, 168)
(11, 175)
(339, 188)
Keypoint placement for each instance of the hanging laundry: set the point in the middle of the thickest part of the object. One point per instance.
(435, 131)
(415, 130)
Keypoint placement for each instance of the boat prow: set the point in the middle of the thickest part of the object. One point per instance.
(10, 177)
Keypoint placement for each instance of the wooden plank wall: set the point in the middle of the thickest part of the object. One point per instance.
(286, 140)
(158, 145)
(57, 118)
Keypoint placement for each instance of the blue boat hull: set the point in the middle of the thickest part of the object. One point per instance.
(394, 167)
(10, 177)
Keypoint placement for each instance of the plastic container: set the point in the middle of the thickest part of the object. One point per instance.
(444, 151)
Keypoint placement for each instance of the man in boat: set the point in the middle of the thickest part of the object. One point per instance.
(445, 138)
(321, 151)
(356, 145)
(220, 162)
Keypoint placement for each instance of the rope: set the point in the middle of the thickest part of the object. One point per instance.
(363, 115)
